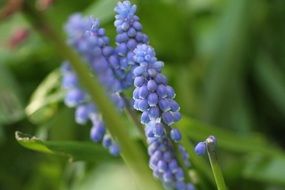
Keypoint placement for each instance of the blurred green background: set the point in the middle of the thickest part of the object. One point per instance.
(224, 58)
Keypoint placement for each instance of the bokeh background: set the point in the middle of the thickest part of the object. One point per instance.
(224, 58)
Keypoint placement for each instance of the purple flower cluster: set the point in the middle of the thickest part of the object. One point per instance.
(132, 62)
(129, 35)
(90, 41)
(152, 96)
(155, 99)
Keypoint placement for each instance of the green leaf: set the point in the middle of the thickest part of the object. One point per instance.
(43, 104)
(85, 151)
(271, 79)
(265, 168)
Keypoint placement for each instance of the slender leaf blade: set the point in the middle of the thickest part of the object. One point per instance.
(85, 151)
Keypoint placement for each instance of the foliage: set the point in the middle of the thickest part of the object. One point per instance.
(225, 60)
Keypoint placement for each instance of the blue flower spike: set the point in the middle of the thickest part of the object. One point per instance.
(155, 99)
(90, 41)
(132, 62)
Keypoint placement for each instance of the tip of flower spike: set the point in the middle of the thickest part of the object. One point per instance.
(74, 23)
(125, 10)
(77, 25)
(93, 23)
(200, 148)
(144, 53)
(75, 18)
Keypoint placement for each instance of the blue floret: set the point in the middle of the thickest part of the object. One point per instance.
(200, 148)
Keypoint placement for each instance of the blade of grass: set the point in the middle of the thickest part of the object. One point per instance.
(271, 80)
(218, 175)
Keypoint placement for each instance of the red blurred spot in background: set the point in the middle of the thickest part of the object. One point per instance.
(18, 37)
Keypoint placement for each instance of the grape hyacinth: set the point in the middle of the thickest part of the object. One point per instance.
(132, 62)
(129, 35)
(90, 41)
(155, 99)
(86, 36)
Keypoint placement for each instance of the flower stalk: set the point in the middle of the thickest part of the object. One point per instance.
(218, 175)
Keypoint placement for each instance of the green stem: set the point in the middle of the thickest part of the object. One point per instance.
(130, 112)
(131, 152)
(218, 175)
